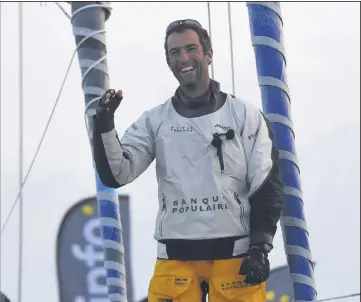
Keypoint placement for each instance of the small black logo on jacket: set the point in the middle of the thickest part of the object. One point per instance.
(253, 135)
(181, 128)
(225, 128)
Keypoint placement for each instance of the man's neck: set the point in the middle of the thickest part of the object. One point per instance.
(193, 93)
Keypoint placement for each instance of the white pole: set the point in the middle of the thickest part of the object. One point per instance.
(231, 46)
(21, 88)
(0, 142)
(210, 33)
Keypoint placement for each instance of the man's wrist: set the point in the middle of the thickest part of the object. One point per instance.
(260, 237)
(103, 123)
(265, 247)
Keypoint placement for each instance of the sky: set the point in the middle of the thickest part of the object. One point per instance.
(322, 42)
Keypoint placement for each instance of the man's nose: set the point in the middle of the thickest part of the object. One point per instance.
(184, 55)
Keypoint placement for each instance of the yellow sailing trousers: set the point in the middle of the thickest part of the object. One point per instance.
(179, 281)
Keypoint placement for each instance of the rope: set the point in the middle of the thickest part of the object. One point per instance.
(210, 33)
(231, 46)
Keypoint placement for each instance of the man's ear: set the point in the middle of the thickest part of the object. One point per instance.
(210, 56)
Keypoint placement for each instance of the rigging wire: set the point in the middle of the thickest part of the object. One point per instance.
(46, 127)
(63, 10)
(339, 297)
(231, 46)
(21, 127)
(0, 135)
(210, 33)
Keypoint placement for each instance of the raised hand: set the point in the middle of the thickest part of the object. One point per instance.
(110, 101)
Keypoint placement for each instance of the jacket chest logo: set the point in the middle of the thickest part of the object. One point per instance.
(181, 128)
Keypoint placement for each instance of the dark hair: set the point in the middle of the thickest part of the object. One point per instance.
(203, 36)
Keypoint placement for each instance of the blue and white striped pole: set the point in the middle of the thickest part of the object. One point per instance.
(267, 38)
(88, 21)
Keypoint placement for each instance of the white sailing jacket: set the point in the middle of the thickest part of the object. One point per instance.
(203, 191)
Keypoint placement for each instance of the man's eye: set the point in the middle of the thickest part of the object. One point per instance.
(174, 52)
(192, 48)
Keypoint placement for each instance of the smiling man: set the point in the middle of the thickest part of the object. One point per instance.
(188, 55)
(219, 188)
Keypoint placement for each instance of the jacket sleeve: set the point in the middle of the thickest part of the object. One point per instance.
(266, 188)
(119, 162)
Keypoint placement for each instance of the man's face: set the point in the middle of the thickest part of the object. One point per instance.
(187, 60)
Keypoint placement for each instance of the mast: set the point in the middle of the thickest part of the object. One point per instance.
(267, 39)
(88, 20)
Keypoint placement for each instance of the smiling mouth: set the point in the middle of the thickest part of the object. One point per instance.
(187, 69)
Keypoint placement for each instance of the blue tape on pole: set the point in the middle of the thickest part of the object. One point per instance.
(116, 290)
(267, 39)
(108, 209)
(113, 274)
(112, 233)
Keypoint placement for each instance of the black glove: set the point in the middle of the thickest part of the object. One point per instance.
(256, 266)
(109, 102)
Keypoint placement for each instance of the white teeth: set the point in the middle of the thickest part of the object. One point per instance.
(188, 68)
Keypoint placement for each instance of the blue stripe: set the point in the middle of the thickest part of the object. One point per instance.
(283, 137)
(290, 176)
(296, 236)
(264, 22)
(305, 291)
(116, 290)
(299, 266)
(112, 273)
(275, 100)
(275, 66)
(108, 209)
(293, 207)
(112, 233)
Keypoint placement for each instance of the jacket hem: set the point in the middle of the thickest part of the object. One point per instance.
(202, 250)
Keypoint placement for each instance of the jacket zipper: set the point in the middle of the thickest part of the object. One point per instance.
(164, 211)
(241, 206)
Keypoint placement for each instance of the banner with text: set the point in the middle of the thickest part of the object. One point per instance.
(80, 256)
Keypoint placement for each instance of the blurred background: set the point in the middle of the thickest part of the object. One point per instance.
(322, 42)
